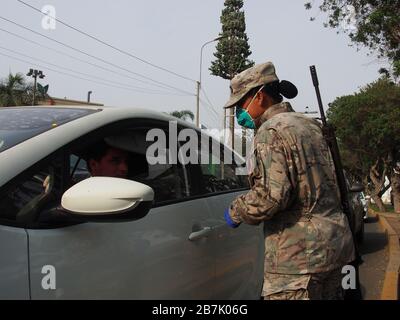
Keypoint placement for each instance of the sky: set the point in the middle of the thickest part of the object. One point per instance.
(169, 35)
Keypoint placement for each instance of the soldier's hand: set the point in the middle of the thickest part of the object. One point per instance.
(229, 220)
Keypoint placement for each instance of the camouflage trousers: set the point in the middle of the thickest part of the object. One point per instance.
(320, 286)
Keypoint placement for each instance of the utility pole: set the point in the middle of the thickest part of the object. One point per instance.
(198, 104)
(88, 96)
(232, 126)
(198, 83)
(35, 73)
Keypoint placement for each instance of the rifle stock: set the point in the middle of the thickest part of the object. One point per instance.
(329, 135)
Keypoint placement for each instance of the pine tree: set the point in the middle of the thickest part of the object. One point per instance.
(233, 49)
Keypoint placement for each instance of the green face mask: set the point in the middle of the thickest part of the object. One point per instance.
(244, 119)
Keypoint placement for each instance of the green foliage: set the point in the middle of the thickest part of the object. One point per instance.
(183, 114)
(371, 23)
(233, 49)
(396, 68)
(13, 90)
(389, 208)
(367, 125)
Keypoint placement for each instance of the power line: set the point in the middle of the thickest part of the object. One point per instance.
(205, 95)
(86, 74)
(213, 114)
(210, 106)
(107, 44)
(210, 103)
(81, 60)
(67, 74)
(215, 117)
(92, 56)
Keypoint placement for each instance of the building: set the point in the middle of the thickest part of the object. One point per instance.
(53, 101)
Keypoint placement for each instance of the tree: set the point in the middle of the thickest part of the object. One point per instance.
(183, 114)
(371, 23)
(368, 128)
(233, 49)
(13, 90)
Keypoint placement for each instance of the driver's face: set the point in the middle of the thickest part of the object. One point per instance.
(113, 164)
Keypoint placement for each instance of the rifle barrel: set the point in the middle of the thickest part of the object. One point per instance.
(314, 78)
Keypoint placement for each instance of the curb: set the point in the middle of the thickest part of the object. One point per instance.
(391, 284)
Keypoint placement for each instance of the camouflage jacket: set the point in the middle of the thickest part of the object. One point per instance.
(294, 192)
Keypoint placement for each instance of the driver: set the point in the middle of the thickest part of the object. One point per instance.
(104, 160)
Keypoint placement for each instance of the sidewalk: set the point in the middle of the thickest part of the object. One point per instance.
(391, 224)
(374, 251)
(394, 220)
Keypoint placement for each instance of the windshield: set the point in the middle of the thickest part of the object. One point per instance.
(20, 124)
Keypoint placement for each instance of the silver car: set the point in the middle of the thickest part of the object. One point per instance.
(159, 234)
(357, 208)
(364, 200)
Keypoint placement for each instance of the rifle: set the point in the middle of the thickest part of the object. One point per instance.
(329, 135)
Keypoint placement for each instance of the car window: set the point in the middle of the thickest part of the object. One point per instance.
(26, 194)
(220, 172)
(169, 181)
(78, 170)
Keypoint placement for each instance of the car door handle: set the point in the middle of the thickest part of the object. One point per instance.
(200, 234)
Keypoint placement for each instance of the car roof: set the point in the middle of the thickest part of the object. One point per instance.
(116, 111)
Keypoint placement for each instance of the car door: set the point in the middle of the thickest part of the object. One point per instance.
(151, 258)
(239, 254)
(14, 276)
(240, 251)
(22, 192)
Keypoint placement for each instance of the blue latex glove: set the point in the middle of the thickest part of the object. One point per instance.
(229, 220)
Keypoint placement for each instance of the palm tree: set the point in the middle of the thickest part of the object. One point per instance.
(13, 90)
(183, 114)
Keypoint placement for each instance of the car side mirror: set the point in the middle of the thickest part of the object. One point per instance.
(357, 187)
(106, 199)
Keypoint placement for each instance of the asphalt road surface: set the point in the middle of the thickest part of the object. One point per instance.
(375, 254)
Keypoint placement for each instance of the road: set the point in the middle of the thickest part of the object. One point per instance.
(375, 254)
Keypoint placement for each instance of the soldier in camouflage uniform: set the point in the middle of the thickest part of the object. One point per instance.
(293, 191)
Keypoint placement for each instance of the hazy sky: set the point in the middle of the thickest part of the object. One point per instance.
(170, 34)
